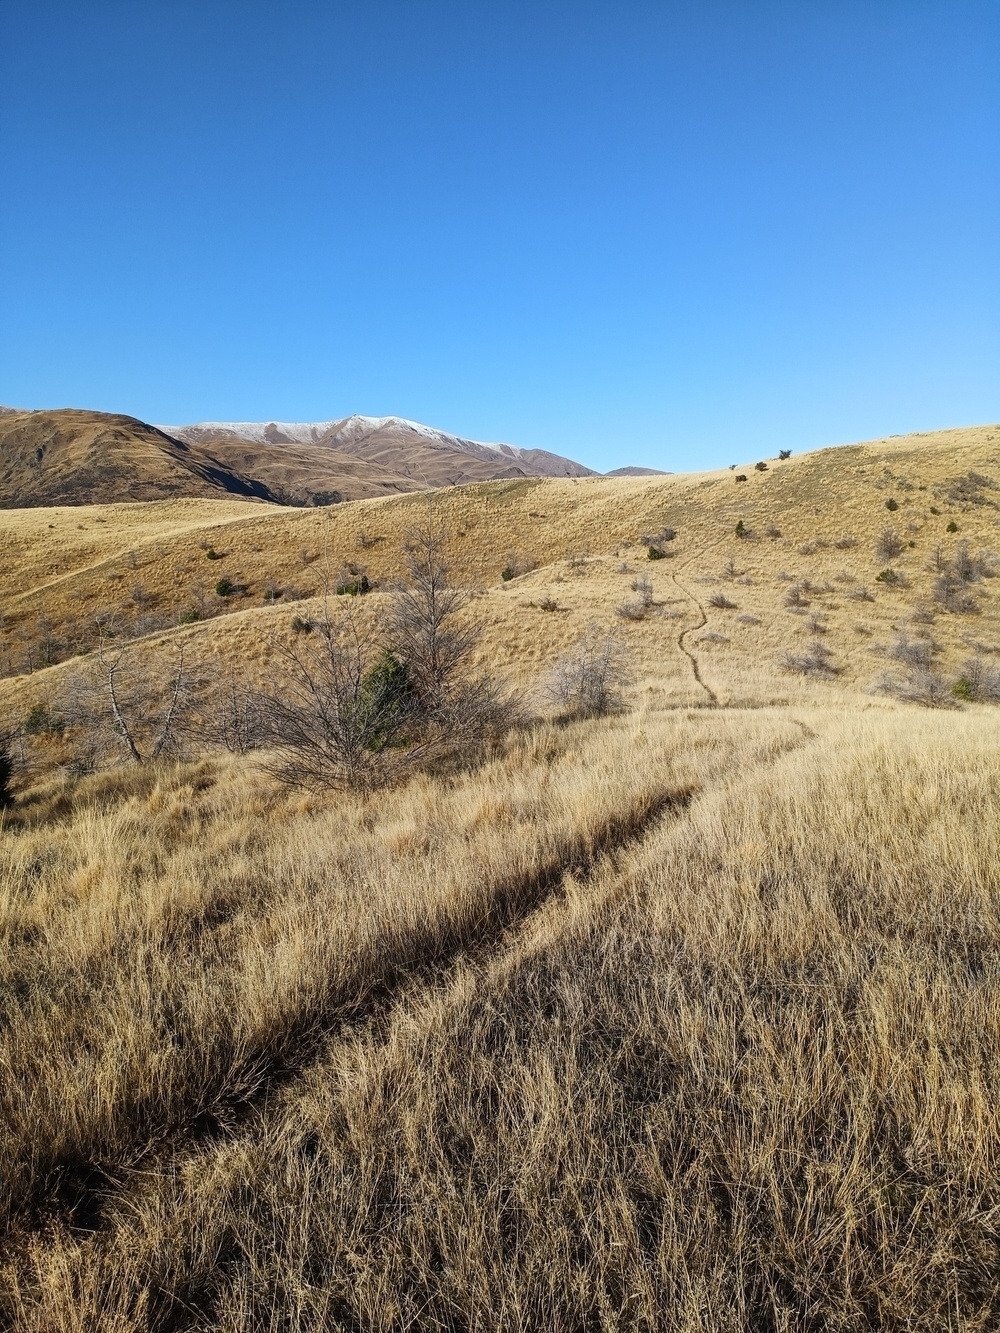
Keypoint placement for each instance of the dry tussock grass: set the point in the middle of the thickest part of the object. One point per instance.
(737, 1075)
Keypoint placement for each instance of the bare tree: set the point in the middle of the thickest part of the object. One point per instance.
(116, 706)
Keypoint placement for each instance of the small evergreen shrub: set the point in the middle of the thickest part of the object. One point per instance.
(355, 587)
(892, 505)
(189, 617)
(225, 587)
(655, 553)
(506, 573)
(952, 526)
(213, 554)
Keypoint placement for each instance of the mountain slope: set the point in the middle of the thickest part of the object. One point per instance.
(429, 457)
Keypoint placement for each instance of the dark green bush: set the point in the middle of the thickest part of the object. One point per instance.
(385, 696)
(213, 554)
(40, 722)
(962, 689)
(506, 573)
(952, 526)
(892, 505)
(655, 553)
(225, 587)
(300, 626)
(189, 617)
(355, 587)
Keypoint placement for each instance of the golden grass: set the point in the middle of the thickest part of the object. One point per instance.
(736, 1073)
(685, 1019)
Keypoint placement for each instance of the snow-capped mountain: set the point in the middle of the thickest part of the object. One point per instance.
(391, 441)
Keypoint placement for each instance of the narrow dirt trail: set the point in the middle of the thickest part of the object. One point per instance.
(691, 656)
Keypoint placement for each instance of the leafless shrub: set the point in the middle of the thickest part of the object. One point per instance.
(815, 661)
(953, 595)
(860, 628)
(808, 548)
(589, 679)
(721, 602)
(795, 596)
(634, 608)
(644, 588)
(888, 545)
(745, 618)
(712, 636)
(773, 532)
(844, 543)
(915, 652)
(917, 685)
(815, 625)
(783, 576)
(979, 681)
(307, 556)
(547, 604)
(366, 539)
(576, 562)
(922, 614)
(861, 594)
(730, 570)
(238, 721)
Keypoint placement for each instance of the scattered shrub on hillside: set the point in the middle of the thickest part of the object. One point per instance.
(271, 591)
(888, 545)
(213, 554)
(712, 636)
(741, 529)
(741, 476)
(916, 652)
(969, 488)
(300, 625)
(816, 625)
(644, 588)
(353, 585)
(815, 661)
(655, 553)
(861, 594)
(953, 595)
(922, 614)
(844, 543)
(952, 526)
(934, 511)
(784, 453)
(721, 602)
(189, 616)
(916, 685)
(730, 570)
(225, 588)
(589, 679)
(633, 608)
(239, 723)
(843, 576)
(892, 505)
(773, 532)
(783, 576)
(745, 618)
(893, 578)
(507, 573)
(307, 556)
(576, 562)
(979, 681)
(795, 596)
(366, 540)
(760, 467)
(547, 604)
(808, 548)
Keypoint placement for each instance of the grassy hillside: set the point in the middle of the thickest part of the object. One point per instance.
(680, 1018)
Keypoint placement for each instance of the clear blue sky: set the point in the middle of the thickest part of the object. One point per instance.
(678, 234)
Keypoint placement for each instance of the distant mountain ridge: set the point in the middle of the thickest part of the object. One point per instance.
(73, 456)
(372, 437)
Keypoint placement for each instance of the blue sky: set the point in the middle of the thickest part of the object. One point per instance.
(678, 234)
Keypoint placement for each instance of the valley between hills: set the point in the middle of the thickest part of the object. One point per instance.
(646, 978)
